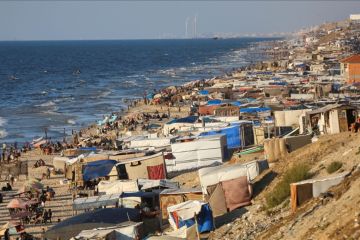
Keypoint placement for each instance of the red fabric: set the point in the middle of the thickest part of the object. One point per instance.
(156, 172)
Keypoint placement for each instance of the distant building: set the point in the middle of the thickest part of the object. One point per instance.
(350, 68)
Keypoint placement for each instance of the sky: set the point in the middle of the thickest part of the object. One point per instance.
(68, 20)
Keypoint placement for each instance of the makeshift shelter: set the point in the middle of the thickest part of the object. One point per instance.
(197, 152)
(97, 169)
(229, 187)
(258, 111)
(307, 189)
(238, 135)
(151, 167)
(59, 163)
(146, 184)
(227, 111)
(176, 124)
(333, 118)
(118, 187)
(151, 142)
(189, 213)
(170, 197)
(96, 202)
(106, 217)
(124, 231)
(288, 117)
(205, 110)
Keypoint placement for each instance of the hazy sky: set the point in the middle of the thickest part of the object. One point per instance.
(35, 20)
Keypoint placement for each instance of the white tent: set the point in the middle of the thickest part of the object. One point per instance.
(118, 187)
(96, 201)
(214, 175)
(200, 152)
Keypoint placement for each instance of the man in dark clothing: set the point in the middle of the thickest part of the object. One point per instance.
(50, 215)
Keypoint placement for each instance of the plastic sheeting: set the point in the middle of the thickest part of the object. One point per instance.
(214, 102)
(96, 201)
(183, 214)
(254, 109)
(98, 169)
(232, 135)
(213, 175)
(189, 119)
(201, 152)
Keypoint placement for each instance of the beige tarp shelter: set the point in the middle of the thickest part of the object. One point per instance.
(211, 176)
(125, 231)
(135, 168)
(288, 117)
(305, 190)
(118, 187)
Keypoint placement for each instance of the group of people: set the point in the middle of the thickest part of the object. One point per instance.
(9, 154)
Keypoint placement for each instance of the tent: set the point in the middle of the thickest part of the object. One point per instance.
(151, 167)
(195, 153)
(238, 135)
(214, 102)
(118, 187)
(59, 163)
(213, 175)
(98, 169)
(123, 231)
(96, 201)
(145, 184)
(170, 197)
(307, 189)
(189, 213)
(106, 217)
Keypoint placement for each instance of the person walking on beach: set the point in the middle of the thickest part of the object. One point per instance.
(50, 215)
(48, 172)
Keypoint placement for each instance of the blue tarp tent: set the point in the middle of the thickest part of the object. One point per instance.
(204, 220)
(203, 92)
(189, 119)
(232, 135)
(214, 102)
(98, 169)
(254, 109)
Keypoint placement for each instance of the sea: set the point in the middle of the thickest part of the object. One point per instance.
(58, 86)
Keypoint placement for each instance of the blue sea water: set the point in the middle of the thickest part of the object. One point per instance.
(69, 84)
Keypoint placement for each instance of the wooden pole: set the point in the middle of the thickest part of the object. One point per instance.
(197, 227)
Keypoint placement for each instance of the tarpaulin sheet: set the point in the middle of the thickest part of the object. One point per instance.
(232, 135)
(183, 215)
(254, 109)
(203, 92)
(156, 172)
(98, 169)
(236, 192)
(189, 119)
(214, 102)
